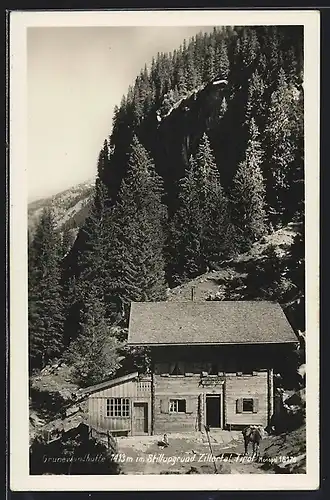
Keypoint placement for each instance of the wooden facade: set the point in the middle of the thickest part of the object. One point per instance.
(121, 406)
(165, 402)
(209, 394)
(205, 382)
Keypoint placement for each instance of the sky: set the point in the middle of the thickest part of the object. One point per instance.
(75, 77)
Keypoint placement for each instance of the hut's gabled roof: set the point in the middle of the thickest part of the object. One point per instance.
(109, 383)
(208, 323)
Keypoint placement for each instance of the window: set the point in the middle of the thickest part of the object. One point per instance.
(144, 386)
(118, 407)
(247, 405)
(177, 406)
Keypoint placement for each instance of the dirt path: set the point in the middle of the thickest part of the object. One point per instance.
(190, 454)
(186, 454)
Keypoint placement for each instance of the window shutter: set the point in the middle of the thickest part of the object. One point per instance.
(164, 405)
(190, 404)
(239, 405)
(102, 406)
(255, 405)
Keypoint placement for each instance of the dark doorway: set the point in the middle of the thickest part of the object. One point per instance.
(213, 411)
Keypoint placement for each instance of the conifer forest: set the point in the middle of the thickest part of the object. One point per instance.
(205, 157)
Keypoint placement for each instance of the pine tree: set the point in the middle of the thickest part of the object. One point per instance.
(207, 173)
(256, 104)
(67, 240)
(45, 303)
(290, 65)
(248, 193)
(95, 234)
(272, 51)
(213, 204)
(223, 107)
(136, 259)
(283, 165)
(93, 355)
(191, 70)
(182, 82)
(186, 230)
(249, 46)
(222, 60)
(90, 266)
(199, 232)
(210, 66)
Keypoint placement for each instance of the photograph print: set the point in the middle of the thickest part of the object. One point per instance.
(166, 213)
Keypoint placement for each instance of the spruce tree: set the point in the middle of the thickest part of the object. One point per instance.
(192, 77)
(283, 162)
(136, 260)
(93, 355)
(223, 107)
(89, 267)
(95, 236)
(44, 286)
(182, 81)
(207, 172)
(221, 60)
(209, 66)
(214, 205)
(186, 229)
(200, 229)
(255, 107)
(249, 46)
(248, 193)
(67, 240)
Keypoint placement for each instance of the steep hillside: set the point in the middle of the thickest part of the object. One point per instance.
(232, 282)
(212, 285)
(70, 207)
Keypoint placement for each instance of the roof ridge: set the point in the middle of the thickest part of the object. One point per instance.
(221, 322)
(109, 383)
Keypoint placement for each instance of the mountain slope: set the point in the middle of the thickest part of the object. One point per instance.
(260, 273)
(70, 207)
(207, 285)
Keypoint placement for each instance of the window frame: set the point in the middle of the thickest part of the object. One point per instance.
(174, 406)
(118, 408)
(251, 401)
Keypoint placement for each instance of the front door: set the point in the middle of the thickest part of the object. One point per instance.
(140, 418)
(213, 410)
